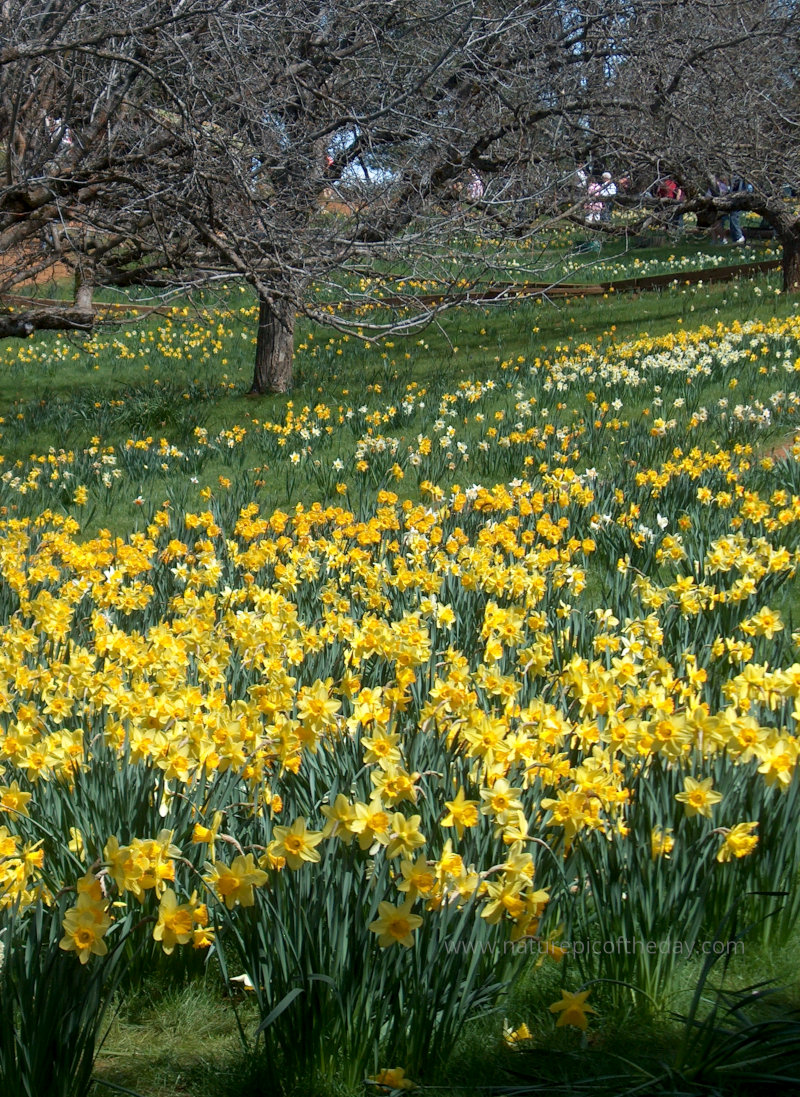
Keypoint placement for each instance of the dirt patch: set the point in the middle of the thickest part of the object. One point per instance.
(782, 451)
(45, 270)
(56, 273)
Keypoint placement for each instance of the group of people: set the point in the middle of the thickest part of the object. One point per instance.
(723, 227)
(601, 190)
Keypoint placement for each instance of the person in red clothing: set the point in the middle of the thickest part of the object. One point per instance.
(669, 189)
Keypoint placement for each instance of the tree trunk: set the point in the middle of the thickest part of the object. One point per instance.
(274, 347)
(84, 289)
(791, 259)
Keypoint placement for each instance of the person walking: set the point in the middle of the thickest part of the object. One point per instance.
(738, 186)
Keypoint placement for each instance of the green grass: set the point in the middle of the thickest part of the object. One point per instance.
(169, 1040)
(67, 398)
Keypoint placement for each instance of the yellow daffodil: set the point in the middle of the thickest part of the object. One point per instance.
(572, 1009)
(698, 797)
(296, 844)
(395, 925)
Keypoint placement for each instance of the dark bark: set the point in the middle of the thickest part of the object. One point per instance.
(274, 347)
(791, 260)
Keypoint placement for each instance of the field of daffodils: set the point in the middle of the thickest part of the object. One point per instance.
(510, 678)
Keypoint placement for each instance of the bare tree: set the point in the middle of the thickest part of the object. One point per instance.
(79, 96)
(321, 150)
(714, 100)
(332, 142)
(305, 146)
